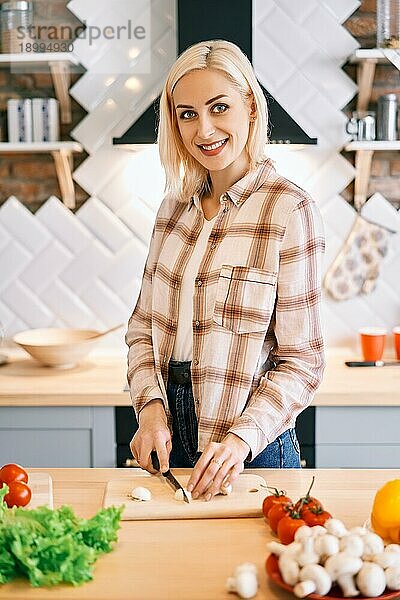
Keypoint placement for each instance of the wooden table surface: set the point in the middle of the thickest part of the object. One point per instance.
(100, 381)
(191, 559)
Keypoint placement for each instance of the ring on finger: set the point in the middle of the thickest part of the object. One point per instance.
(217, 462)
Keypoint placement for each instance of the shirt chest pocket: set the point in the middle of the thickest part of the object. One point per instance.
(245, 298)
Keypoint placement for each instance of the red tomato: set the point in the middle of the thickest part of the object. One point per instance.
(272, 499)
(13, 472)
(287, 527)
(277, 512)
(315, 516)
(19, 494)
(308, 502)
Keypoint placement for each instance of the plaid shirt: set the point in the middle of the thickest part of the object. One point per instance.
(257, 343)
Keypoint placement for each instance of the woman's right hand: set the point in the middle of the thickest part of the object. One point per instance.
(153, 434)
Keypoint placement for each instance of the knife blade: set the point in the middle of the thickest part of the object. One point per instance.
(371, 363)
(174, 483)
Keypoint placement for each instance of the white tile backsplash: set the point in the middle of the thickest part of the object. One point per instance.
(84, 269)
(23, 226)
(104, 224)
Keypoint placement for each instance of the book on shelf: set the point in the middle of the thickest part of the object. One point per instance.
(46, 127)
(19, 120)
(33, 120)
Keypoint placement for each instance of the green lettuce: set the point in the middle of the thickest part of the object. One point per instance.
(53, 546)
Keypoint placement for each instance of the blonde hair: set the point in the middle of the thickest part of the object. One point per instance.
(185, 176)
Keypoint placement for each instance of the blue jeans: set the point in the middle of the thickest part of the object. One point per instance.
(284, 452)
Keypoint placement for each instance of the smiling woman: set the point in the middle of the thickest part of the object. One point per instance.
(225, 343)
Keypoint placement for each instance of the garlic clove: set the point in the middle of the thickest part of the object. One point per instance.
(226, 489)
(141, 493)
(180, 497)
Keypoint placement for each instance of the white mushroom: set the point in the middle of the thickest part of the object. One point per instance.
(289, 569)
(244, 582)
(371, 580)
(276, 548)
(141, 493)
(302, 533)
(307, 554)
(335, 527)
(319, 576)
(180, 496)
(358, 530)
(326, 545)
(342, 567)
(392, 548)
(352, 544)
(317, 531)
(373, 544)
(392, 575)
(387, 559)
(304, 588)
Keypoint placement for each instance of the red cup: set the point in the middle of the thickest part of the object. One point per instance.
(372, 342)
(396, 336)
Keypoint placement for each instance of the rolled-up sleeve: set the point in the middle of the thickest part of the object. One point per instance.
(284, 391)
(142, 377)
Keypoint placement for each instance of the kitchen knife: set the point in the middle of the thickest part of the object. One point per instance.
(168, 476)
(371, 363)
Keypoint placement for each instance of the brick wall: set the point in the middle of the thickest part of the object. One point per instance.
(385, 171)
(32, 177)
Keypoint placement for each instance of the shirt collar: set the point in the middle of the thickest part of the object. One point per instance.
(247, 185)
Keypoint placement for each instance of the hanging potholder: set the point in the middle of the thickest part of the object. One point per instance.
(356, 267)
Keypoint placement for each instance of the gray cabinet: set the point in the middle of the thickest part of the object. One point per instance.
(357, 437)
(58, 436)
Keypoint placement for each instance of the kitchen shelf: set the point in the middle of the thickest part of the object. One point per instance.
(366, 60)
(62, 155)
(59, 65)
(371, 54)
(378, 145)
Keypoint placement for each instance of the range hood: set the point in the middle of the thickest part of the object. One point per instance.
(217, 19)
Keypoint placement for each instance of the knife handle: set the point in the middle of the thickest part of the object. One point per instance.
(364, 363)
(154, 461)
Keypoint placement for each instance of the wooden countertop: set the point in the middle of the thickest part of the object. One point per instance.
(100, 381)
(191, 559)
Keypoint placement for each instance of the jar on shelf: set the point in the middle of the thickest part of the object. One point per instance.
(388, 23)
(15, 18)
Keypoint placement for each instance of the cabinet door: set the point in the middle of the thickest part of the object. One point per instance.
(357, 437)
(57, 436)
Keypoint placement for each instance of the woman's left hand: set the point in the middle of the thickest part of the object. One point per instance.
(221, 462)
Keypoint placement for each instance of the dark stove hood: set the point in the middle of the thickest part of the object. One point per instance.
(217, 19)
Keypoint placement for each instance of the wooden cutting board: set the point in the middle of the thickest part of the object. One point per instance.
(245, 500)
(41, 485)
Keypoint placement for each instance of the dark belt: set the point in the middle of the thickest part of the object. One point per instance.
(179, 372)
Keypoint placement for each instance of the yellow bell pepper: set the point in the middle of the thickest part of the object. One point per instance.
(385, 516)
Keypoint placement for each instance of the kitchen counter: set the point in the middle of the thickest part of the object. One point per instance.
(191, 559)
(100, 381)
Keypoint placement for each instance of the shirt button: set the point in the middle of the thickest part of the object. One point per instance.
(196, 362)
(199, 283)
(197, 323)
(213, 246)
(196, 401)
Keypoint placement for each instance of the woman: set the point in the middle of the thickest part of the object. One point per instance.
(225, 343)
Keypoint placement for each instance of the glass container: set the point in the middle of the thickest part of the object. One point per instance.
(16, 17)
(388, 23)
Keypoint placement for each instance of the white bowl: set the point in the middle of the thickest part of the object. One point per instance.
(54, 347)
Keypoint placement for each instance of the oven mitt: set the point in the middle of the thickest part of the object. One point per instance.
(356, 267)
